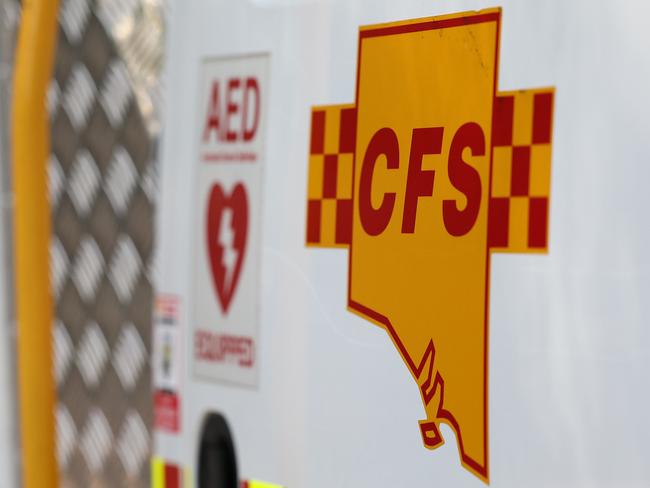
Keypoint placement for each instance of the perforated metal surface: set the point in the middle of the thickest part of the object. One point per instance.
(102, 191)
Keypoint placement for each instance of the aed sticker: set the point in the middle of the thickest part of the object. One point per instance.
(229, 168)
(430, 171)
(167, 363)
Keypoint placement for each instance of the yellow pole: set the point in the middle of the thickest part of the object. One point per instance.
(33, 70)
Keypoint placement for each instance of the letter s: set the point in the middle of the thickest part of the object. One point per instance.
(465, 179)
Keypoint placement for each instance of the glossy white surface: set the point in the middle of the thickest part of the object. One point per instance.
(569, 370)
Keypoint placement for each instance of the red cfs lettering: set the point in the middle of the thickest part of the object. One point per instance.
(233, 112)
(420, 182)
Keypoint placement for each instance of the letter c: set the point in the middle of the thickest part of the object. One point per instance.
(375, 220)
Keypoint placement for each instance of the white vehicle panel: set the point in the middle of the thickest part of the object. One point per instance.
(569, 346)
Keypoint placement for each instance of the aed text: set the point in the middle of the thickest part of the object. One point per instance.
(233, 111)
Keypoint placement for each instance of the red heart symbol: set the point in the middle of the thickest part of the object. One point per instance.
(227, 229)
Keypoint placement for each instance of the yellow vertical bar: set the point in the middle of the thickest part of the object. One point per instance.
(34, 60)
(157, 473)
(187, 478)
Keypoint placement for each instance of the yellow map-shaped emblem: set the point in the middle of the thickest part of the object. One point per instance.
(421, 179)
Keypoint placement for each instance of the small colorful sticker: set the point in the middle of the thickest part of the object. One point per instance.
(167, 363)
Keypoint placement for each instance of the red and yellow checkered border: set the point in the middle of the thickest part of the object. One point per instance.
(331, 159)
(522, 132)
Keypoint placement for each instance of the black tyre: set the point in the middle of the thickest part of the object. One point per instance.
(217, 460)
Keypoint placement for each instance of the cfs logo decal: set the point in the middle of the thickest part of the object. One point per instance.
(429, 172)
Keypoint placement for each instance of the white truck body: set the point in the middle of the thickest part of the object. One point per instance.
(332, 404)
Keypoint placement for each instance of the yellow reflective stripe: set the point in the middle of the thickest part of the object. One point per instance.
(157, 473)
(261, 484)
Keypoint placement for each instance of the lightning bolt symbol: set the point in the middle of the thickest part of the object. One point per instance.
(226, 239)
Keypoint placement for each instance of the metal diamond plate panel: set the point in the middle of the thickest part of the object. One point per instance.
(11, 462)
(102, 185)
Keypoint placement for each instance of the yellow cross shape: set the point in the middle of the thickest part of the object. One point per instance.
(430, 171)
